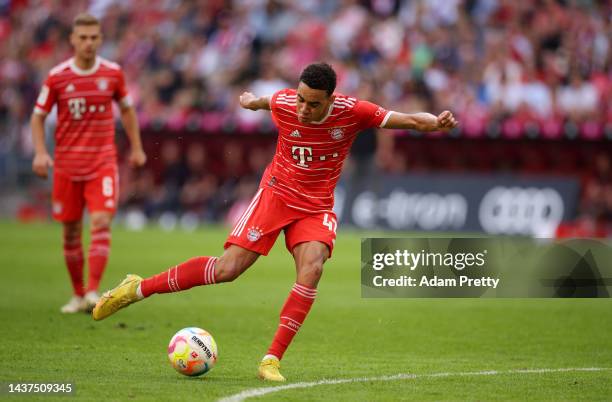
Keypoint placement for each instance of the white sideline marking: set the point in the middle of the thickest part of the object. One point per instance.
(250, 393)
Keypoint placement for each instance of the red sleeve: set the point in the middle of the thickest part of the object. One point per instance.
(274, 97)
(47, 97)
(370, 114)
(121, 94)
(274, 104)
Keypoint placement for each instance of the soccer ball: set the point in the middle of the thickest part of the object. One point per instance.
(192, 351)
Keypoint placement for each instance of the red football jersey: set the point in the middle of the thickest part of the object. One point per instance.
(85, 132)
(309, 156)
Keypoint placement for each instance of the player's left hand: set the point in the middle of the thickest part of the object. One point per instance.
(137, 158)
(446, 121)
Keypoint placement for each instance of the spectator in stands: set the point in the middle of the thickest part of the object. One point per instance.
(496, 61)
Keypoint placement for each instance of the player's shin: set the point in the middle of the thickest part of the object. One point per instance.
(73, 256)
(194, 272)
(292, 317)
(98, 256)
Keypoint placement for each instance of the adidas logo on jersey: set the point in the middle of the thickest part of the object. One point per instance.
(70, 88)
(295, 133)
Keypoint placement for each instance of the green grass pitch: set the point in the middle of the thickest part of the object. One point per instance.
(124, 357)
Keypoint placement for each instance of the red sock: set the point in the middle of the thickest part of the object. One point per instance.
(73, 255)
(292, 317)
(98, 256)
(194, 272)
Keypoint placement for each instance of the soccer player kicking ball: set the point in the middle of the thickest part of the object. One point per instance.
(85, 165)
(316, 129)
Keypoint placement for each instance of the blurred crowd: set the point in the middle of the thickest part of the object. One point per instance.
(535, 68)
(205, 183)
(535, 64)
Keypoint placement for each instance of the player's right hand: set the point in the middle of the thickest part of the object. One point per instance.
(137, 158)
(41, 164)
(446, 121)
(247, 100)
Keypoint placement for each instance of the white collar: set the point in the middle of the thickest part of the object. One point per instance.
(79, 71)
(329, 110)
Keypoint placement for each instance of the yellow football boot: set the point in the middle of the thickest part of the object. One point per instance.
(116, 299)
(268, 370)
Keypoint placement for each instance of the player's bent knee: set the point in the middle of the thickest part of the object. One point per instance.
(72, 230)
(310, 273)
(234, 261)
(101, 221)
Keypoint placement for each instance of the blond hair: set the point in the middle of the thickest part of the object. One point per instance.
(84, 19)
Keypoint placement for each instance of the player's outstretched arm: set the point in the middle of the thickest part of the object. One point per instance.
(42, 160)
(252, 102)
(422, 121)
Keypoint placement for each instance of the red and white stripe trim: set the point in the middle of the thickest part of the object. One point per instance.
(294, 322)
(341, 102)
(285, 103)
(72, 243)
(246, 215)
(288, 327)
(103, 235)
(173, 279)
(39, 110)
(209, 271)
(386, 118)
(304, 291)
(99, 250)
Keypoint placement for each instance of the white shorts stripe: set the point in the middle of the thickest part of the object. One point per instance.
(240, 228)
(246, 212)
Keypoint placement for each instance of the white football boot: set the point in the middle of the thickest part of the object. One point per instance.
(91, 299)
(75, 305)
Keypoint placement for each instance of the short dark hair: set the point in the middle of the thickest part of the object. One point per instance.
(319, 76)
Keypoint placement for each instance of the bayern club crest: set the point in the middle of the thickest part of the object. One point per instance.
(336, 133)
(57, 207)
(254, 233)
(102, 84)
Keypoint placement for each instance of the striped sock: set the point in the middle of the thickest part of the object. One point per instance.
(73, 256)
(98, 256)
(194, 272)
(292, 317)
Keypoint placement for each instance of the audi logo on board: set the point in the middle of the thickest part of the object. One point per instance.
(474, 203)
(523, 211)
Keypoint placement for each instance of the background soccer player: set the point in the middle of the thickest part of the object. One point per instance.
(315, 131)
(85, 165)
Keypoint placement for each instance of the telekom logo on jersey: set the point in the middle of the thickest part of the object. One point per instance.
(304, 154)
(77, 107)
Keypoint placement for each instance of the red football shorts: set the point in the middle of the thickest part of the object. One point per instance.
(98, 194)
(267, 214)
